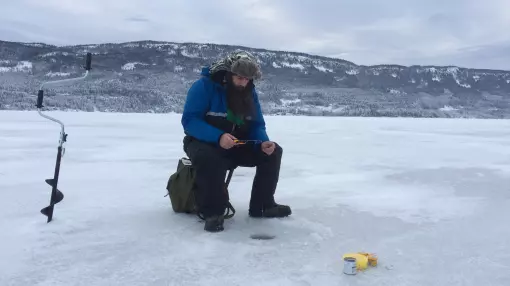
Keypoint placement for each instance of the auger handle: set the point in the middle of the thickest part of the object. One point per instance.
(88, 61)
(40, 94)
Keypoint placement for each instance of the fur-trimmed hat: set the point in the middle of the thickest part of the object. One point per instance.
(239, 62)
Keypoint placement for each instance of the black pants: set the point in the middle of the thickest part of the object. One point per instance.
(211, 164)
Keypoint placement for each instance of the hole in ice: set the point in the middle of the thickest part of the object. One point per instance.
(262, 236)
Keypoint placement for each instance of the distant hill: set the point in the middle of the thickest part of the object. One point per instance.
(149, 76)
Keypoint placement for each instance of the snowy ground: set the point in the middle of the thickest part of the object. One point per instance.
(429, 196)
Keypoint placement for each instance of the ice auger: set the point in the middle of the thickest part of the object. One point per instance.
(56, 194)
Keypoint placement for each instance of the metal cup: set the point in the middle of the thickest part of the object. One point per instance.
(350, 267)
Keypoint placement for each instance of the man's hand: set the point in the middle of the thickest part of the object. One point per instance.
(227, 141)
(268, 147)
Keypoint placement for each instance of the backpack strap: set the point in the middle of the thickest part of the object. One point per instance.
(230, 208)
(229, 177)
(228, 215)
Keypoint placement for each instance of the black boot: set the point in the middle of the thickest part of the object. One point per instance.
(273, 211)
(214, 223)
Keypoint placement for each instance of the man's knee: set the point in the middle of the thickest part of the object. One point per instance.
(276, 155)
(278, 150)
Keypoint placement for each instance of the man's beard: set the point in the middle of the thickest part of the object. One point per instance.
(238, 88)
(240, 99)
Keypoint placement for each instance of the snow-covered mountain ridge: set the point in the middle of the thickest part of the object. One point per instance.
(150, 76)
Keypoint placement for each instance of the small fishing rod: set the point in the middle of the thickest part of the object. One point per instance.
(244, 142)
(56, 195)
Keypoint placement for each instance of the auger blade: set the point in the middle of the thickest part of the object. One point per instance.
(59, 196)
(56, 197)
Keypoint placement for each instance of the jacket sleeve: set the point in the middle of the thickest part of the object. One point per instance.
(258, 131)
(193, 116)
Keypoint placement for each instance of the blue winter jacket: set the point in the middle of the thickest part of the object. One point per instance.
(206, 102)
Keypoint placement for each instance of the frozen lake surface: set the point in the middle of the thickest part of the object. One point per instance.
(430, 197)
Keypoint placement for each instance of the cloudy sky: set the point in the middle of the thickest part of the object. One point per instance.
(467, 33)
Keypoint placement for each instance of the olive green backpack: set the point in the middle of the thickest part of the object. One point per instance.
(181, 190)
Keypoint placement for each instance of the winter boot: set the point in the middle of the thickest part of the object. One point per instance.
(214, 223)
(273, 211)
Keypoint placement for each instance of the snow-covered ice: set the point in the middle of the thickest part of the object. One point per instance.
(429, 196)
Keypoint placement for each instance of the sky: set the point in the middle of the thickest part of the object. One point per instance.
(465, 33)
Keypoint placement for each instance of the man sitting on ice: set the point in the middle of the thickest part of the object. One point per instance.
(220, 107)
